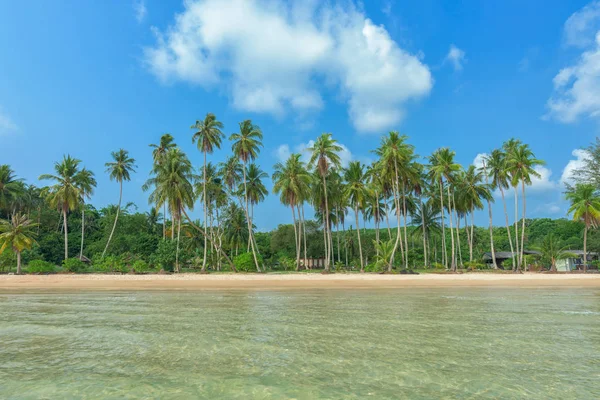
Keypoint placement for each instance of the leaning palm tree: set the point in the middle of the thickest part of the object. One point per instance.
(120, 169)
(158, 153)
(521, 163)
(498, 172)
(10, 188)
(65, 193)
(291, 181)
(16, 234)
(246, 146)
(356, 191)
(86, 184)
(209, 136)
(585, 207)
(324, 157)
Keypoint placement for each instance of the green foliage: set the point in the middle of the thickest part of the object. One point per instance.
(74, 265)
(437, 265)
(41, 267)
(245, 262)
(165, 255)
(109, 264)
(141, 267)
(374, 267)
(474, 265)
(287, 263)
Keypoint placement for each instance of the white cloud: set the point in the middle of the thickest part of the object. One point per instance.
(580, 157)
(273, 56)
(544, 182)
(140, 10)
(283, 152)
(580, 28)
(456, 57)
(548, 209)
(478, 160)
(7, 125)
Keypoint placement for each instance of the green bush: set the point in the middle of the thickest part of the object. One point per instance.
(41, 267)
(164, 256)
(74, 265)
(287, 263)
(245, 262)
(473, 265)
(438, 265)
(109, 264)
(373, 267)
(141, 266)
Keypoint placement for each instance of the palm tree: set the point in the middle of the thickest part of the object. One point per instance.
(209, 136)
(498, 172)
(324, 157)
(509, 147)
(356, 191)
(86, 184)
(158, 152)
(585, 207)
(551, 251)
(65, 194)
(257, 192)
(442, 166)
(426, 219)
(291, 181)
(236, 227)
(246, 146)
(483, 169)
(473, 191)
(521, 163)
(384, 250)
(10, 187)
(120, 169)
(16, 234)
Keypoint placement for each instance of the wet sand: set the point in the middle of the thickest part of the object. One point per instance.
(95, 282)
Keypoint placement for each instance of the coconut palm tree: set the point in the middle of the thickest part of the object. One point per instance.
(551, 251)
(158, 152)
(356, 191)
(473, 191)
(16, 234)
(291, 181)
(10, 188)
(236, 227)
(209, 136)
(120, 169)
(246, 146)
(498, 172)
(384, 250)
(484, 170)
(426, 220)
(585, 207)
(509, 147)
(257, 192)
(86, 184)
(65, 193)
(324, 156)
(521, 163)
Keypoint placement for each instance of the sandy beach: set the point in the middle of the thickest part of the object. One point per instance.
(289, 281)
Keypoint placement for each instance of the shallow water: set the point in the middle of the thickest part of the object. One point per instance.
(405, 343)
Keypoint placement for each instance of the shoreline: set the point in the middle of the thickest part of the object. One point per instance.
(99, 282)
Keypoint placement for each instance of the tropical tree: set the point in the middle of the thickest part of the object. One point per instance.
(10, 187)
(120, 169)
(86, 184)
(384, 250)
(356, 191)
(65, 193)
(521, 163)
(246, 147)
(484, 170)
(585, 207)
(158, 152)
(209, 136)
(16, 234)
(291, 181)
(473, 191)
(324, 157)
(257, 192)
(426, 220)
(551, 250)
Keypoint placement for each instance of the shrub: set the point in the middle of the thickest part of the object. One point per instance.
(141, 266)
(74, 265)
(438, 265)
(164, 256)
(473, 265)
(110, 264)
(373, 267)
(287, 263)
(245, 262)
(41, 267)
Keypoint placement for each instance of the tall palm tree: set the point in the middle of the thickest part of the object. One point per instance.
(16, 234)
(291, 181)
(473, 191)
(426, 219)
(324, 157)
(442, 166)
(86, 184)
(65, 193)
(158, 153)
(521, 163)
(509, 148)
(356, 190)
(484, 170)
(246, 147)
(209, 136)
(498, 172)
(10, 187)
(257, 191)
(585, 207)
(120, 169)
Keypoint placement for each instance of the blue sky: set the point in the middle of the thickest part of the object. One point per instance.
(87, 78)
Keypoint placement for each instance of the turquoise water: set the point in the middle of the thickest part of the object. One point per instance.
(405, 343)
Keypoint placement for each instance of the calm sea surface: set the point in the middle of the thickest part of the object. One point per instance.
(383, 344)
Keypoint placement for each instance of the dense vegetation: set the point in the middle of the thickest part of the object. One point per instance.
(422, 213)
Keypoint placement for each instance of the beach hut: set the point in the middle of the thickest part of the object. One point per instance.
(576, 261)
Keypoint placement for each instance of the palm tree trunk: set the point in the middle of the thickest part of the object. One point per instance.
(337, 235)
(450, 218)
(517, 229)
(249, 221)
(405, 229)
(512, 250)
(18, 262)
(205, 213)
(362, 265)
(116, 218)
(445, 251)
(471, 239)
(387, 219)
(82, 231)
(66, 232)
(326, 224)
(178, 235)
(304, 236)
(424, 233)
(585, 229)
(345, 242)
(523, 222)
(164, 221)
(325, 239)
(397, 204)
(296, 242)
(491, 219)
